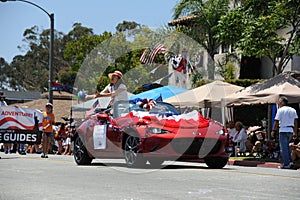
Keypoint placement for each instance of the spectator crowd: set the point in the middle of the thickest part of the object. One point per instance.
(61, 142)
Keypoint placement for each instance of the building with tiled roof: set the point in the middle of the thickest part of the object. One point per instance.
(247, 67)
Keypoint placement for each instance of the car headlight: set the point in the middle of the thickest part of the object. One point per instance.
(154, 130)
(220, 132)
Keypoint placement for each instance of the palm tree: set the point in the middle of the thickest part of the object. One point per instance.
(202, 26)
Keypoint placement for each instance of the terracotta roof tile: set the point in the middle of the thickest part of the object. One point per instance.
(182, 20)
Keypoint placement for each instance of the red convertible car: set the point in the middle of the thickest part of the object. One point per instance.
(156, 135)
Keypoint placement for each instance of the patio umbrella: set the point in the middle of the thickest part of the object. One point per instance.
(266, 92)
(204, 96)
(160, 93)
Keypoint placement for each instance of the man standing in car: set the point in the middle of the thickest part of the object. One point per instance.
(287, 120)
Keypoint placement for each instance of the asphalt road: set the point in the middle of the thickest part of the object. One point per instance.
(58, 177)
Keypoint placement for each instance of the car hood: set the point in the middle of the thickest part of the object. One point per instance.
(189, 120)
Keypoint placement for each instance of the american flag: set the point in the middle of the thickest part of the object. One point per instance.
(148, 56)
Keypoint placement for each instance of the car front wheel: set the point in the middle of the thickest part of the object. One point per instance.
(81, 155)
(216, 162)
(133, 158)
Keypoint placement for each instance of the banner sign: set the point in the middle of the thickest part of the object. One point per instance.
(21, 125)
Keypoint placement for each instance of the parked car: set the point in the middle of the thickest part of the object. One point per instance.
(139, 135)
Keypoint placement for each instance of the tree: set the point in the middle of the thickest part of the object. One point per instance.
(77, 50)
(4, 73)
(119, 52)
(112, 53)
(77, 32)
(202, 27)
(254, 28)
(125, 25)
(30, 71)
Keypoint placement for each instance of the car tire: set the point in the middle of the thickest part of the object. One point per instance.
(216, 162)
(156, 162)
(81, 155)
(133, 158)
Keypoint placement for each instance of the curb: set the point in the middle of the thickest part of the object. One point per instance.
(257, 164)
(254, 163)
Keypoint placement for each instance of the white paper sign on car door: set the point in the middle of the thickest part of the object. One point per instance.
(99, 136)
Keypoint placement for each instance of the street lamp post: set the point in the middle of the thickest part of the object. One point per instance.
(51, 50)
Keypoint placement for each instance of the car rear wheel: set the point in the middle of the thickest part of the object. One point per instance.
(216, 162)
(81, 155)
(133, 158)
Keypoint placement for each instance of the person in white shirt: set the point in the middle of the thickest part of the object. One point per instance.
(231, 129)
(240, 137)
(117, 90)
(286, 119)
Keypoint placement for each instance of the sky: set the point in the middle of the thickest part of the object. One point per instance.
(100, 15)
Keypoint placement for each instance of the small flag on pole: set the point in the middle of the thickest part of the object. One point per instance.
(159, 98)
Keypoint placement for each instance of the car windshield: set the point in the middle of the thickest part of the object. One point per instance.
(122, 108)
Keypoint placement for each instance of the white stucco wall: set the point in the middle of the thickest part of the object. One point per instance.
(296, 63)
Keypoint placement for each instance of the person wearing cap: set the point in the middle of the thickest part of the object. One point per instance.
(48, 121)
(117, 90)
(286, 125)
